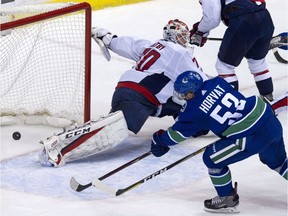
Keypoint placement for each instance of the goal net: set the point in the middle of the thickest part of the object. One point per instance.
(45, 64)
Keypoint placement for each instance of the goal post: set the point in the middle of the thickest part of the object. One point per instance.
(45, 64)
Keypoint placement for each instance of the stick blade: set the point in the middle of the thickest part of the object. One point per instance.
(278, 56)
(284, 39)
(76, 186)
(101, 186)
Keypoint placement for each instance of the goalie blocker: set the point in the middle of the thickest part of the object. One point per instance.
(82, 141)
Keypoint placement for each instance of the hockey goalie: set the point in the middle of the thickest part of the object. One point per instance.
(82, 141)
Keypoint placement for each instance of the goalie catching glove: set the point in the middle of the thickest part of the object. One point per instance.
(103, 38)
(89, 139)
(103, 35)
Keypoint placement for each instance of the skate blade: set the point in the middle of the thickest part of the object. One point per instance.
(229, 210)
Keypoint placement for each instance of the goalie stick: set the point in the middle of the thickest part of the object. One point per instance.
(76, 186)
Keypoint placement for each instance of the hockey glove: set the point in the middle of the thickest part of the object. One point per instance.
(102, 34)
(157, 148)
(196, 37)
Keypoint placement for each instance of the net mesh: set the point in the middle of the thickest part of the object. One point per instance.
(42, 69)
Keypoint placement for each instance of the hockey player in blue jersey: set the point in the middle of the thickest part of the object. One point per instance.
(246, 126)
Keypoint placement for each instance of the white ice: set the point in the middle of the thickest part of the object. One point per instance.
(27, 189)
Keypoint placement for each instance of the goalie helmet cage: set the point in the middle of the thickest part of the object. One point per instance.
(45, 66)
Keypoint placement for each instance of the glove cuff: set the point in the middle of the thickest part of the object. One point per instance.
(203, 34)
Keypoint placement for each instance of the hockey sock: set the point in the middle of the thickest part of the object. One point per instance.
(265, 87)
(283, 170)
(222, 181)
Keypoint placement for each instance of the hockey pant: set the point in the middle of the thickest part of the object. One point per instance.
(267, 142)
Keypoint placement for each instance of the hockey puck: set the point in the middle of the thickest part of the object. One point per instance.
(16, 135)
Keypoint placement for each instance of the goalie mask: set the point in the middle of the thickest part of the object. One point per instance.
(177, 32)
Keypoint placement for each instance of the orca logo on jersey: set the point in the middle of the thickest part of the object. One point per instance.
(78, 132)
(185, 80)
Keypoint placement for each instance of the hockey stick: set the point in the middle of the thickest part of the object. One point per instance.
(278, 41)
(278, 57)
(98, 184)
(142, 181)
(281, 45)
(76, 186)
(214, 39)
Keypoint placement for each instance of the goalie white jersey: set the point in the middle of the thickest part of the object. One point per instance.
(83, 141)
(158, 63)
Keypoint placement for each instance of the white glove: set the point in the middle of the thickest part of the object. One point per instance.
(103, 35)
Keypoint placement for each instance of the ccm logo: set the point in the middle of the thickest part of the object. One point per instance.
(155, 174)
(77, 132)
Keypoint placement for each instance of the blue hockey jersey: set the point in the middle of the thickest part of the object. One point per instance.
(218, 107)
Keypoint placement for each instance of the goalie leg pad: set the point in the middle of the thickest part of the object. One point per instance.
(108, 137)
(86, 140)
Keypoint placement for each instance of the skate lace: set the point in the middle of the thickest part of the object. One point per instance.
(217, 200)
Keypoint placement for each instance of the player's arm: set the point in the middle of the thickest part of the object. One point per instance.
(125, 46)
(211, 15)
(211, 19)
(179, 132)
(129, 47)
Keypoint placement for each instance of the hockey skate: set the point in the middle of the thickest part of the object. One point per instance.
(226, 204)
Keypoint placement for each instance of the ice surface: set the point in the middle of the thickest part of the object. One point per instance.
(27, 189)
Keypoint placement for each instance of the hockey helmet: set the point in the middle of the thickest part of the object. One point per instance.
(189, 81)
(177, 32)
